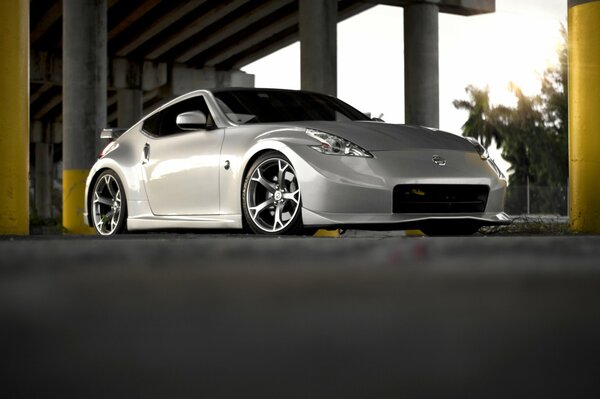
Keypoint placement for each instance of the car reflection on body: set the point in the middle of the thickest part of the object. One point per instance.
(288, 162)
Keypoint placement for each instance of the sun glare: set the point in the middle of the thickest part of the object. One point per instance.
(517, 49)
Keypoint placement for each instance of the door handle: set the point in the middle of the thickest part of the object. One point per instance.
(146, 154)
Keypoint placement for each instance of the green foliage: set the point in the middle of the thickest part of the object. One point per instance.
(533, 135)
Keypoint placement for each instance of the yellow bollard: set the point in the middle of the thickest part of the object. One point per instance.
(73, 200)
(584, 118)
(327, 233)
(14, 117)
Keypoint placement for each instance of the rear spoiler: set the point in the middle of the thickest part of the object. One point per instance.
(112, 133)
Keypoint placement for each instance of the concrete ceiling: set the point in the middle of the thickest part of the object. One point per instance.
(214, 34)
(219, 34)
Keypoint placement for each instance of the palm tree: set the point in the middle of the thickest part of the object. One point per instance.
(483, 120)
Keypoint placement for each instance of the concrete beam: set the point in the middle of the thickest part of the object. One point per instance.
(255, 38)
(158, 26)
(154, 75)
(232, 28)
(50, 18)
(135, 15)
(265, 50)
(46, 132)
(184, 79)
(459, 7)
(47, 107)
(126, 74)
(35, 95)
(216, 12)
(45, 67)
(318, 45)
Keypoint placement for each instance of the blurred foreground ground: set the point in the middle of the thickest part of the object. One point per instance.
(366, 315)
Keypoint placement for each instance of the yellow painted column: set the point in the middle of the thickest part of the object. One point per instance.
(73, 200)
(14, 117)
(584, 115)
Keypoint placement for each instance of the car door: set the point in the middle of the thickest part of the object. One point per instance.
(180, 168)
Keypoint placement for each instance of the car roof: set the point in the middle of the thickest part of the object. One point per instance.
(259, 89)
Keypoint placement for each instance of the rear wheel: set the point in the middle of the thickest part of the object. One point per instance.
(109, 205)
(271, 196)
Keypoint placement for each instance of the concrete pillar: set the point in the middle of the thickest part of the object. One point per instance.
(127, 78)
(183, 79)
(41, 137)
(421, 65)
(43, 179)
(14, 117)
(84, 101)
(130, 103)
(584, 119)
(318, 45)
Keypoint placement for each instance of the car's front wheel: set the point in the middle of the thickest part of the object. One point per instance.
(109, 205)
(271, 196)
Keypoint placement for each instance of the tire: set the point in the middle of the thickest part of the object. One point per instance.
(108, 205)
(464, 228)
(271, 202)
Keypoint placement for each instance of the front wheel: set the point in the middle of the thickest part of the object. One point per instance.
(271, 196)
(109, 205)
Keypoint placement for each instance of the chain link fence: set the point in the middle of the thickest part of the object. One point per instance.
(537, 200)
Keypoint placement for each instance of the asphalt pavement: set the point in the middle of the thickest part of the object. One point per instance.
(369, 315)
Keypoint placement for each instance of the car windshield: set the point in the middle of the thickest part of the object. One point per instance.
(267, 106)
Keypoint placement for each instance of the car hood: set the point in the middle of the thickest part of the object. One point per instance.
(378, 136)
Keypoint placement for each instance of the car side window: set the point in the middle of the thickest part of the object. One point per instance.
(152, 124)
(164, 123)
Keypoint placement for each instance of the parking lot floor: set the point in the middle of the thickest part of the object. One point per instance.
(364, 315)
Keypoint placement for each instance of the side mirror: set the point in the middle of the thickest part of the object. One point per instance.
(378, 118)
(192, 120)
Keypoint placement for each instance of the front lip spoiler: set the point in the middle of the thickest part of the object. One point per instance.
(398, 221)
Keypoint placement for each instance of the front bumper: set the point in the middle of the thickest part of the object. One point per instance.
(351, 191)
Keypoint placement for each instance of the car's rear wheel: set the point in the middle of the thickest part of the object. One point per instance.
(109, 205)
(271, 196)
(465, 228)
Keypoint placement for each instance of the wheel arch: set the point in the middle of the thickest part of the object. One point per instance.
(92, 183)
(294, 225)
(245, 169)
(251, 161)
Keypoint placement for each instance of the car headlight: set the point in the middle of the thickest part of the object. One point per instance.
(334, 145)
(481, 150)
(483, 153)
(496, 168)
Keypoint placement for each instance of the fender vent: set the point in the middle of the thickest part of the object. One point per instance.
(440, 198)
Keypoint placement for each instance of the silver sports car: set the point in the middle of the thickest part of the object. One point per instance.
(288, 162)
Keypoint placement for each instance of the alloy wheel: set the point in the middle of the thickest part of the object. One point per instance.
(273, 195)
(106, 205)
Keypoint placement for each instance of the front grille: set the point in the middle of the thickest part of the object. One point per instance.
(440, 198)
